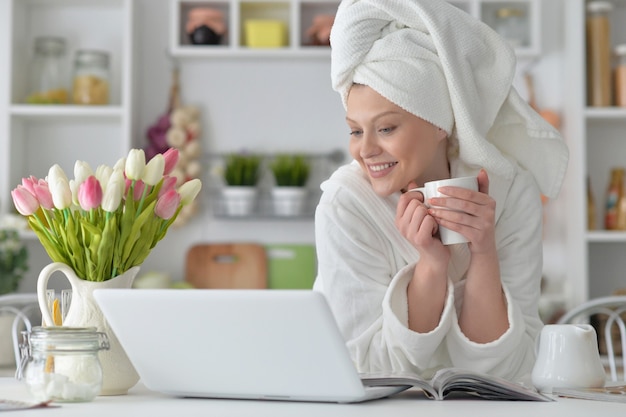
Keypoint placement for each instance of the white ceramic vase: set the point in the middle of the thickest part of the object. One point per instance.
(119, 375)
(239, 200)
(288, 201)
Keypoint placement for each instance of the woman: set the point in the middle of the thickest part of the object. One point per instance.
(428, 95)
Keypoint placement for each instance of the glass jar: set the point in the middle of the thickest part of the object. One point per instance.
(512, 24)
(620, 75)
(48, 78)
(598, 33)
(61, 363)
(91, 78)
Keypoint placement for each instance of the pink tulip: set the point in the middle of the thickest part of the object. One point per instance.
(167, 205)
(43, 194)
(25, 202)
(171, 159)
(169, 183)
(138, 191)
(29, 184)
(90, 193)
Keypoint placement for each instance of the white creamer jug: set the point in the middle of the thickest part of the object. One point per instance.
(567, 356)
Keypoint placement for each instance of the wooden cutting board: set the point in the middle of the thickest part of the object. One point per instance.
(230, 265)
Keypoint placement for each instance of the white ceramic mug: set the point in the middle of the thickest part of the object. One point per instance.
(431, 189)
(567, 357)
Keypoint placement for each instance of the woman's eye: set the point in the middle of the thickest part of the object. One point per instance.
(355, 132)
(386, 130)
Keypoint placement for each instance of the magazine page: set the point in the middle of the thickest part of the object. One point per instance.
(485, 386)
(449, 380)
(613, 393)
(399, 379)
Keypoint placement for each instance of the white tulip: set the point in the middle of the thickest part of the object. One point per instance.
(135, 164)
(120, 164)
(59, 187)
(74, 185)
(82, 170)
(189, 190)
(153, 172)
(103, 173)
(113, 191)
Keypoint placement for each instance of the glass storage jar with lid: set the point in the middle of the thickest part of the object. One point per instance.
(512, 24)
(91, 77)
(598, 54)
(620, 75)
(48, 77)
(61, 363)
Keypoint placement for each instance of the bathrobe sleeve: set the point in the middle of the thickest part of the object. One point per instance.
(365, 281)
(520, 252)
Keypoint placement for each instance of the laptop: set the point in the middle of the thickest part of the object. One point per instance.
(243, 344)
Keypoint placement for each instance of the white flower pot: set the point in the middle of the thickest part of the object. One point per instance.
(239, 201)
(289, 201)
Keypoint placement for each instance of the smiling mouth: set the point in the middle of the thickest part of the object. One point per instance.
(381, 167)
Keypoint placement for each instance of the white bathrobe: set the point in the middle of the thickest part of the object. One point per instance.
(365, 265)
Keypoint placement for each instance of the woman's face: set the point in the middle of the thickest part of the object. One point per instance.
(392, 145)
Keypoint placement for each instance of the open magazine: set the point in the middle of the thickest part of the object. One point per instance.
(615, 393)
(453, 380)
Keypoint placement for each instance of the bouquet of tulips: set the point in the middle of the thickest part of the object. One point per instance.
(105, 222)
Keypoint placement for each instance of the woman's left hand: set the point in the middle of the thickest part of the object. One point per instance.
(472, 213)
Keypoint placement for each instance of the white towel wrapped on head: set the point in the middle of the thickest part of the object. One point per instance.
(439, 63)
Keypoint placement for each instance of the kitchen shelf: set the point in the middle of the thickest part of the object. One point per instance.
(228, 52)
(606, 236)
(595, 137)
(601, 113)
(34, 112)
(35, 137)
(298, 16)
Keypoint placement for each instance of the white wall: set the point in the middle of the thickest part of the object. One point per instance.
(269, 104)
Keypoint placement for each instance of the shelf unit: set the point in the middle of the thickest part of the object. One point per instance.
(596, 262)
(34, 137)
(322, 165)
(298, 16)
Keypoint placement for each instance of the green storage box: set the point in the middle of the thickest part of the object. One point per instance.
(290, 266)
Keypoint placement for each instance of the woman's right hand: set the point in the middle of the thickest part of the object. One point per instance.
(420, 228)
(426, 292)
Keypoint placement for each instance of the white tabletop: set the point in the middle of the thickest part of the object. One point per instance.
(140, 401)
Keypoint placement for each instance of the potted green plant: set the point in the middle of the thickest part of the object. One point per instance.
(291, 173)
(241, 175)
